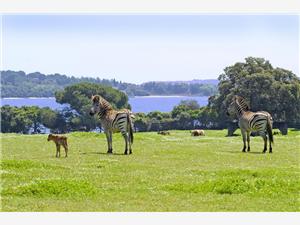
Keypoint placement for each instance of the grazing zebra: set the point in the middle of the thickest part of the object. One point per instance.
(113, 121)
(260, 122)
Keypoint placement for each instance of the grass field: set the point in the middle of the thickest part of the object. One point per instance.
(164, 173)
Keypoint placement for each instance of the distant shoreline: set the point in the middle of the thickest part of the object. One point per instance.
(143, 96)
(28, 97)
(167, 96)
(144, 104)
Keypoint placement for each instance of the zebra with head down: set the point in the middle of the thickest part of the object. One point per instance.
(260, 122)
(113, 121)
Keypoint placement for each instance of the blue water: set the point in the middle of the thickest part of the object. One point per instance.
(161, 103)
(138, 104)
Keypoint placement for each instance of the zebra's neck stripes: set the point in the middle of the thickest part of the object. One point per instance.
(104, 107)
(241, 106)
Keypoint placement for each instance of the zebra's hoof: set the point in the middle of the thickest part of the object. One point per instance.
(109, 152)
(125, 153)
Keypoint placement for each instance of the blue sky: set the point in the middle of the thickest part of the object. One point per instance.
(139, 48)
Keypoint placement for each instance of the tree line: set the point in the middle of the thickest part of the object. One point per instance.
(264, 87)
(20, 84)
(32, 119)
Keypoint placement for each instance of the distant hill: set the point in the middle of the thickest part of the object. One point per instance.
(20, 84)
(195, 81)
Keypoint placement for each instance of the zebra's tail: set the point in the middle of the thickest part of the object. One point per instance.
(269, 129)
(129, 122)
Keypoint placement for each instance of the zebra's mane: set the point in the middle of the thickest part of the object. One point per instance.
(242, 103)
(103, 103)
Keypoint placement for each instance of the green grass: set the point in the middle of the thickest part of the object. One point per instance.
(164, 173)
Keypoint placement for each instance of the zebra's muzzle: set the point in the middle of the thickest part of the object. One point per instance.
(92, 113)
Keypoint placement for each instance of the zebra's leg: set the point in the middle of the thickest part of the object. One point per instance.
(129, 143)
(270, 146)
(125, 135)
(244, 139)
(248, 141)
(263, 135)
(109, 141)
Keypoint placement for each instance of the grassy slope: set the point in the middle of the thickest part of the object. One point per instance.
(165, 173)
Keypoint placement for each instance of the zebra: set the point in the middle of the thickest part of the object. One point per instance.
(260, 122)
(113, 121)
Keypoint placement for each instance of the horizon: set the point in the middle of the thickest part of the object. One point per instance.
(79, 77)
(145, 48)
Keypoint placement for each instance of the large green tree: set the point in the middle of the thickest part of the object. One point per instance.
(20, 120)
(78, 96)
(275, 90)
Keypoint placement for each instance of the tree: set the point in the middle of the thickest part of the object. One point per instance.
(141, 122)
(183, 106)
(265, 88)
(48, 117)
(7, 114)
(78, 96)
(19, 120)
(19, 84)
(184, 120)
(33, 113)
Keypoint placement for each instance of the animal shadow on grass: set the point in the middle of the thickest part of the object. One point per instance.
(240, 152)
(99, 153)
(233, 135)
(256, 153)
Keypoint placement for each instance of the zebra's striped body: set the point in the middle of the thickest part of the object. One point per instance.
(260, 122)
(113, 121)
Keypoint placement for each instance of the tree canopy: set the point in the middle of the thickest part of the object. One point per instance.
(26, 118)
(78, 96)
(19, 84)
(275, 90)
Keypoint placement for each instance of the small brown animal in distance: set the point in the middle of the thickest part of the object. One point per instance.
(163, 132)
(59, 140)
(197, 133)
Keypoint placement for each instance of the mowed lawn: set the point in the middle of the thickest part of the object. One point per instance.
(164, 173)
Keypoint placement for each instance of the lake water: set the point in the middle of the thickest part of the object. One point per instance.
(139, 104)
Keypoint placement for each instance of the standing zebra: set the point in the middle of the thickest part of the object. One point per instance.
(260, 122)
(113, 121)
